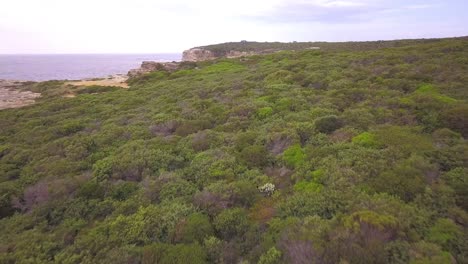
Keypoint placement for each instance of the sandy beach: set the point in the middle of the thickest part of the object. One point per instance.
(118, 80)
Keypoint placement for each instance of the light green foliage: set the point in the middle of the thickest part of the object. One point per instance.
(176, 189)
(377, 220)
(365, 139)
(427, 253)
(294, 155)
(264, 112)
(430, 90)
(213, 247)
(272, 256)
(305, 186)
(444, 233)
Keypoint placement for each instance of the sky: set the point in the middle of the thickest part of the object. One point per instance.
(153, 26)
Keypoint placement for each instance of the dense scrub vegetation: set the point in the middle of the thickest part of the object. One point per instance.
(295, 157)
(269, 47)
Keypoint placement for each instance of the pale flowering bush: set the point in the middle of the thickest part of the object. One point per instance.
(267, 188)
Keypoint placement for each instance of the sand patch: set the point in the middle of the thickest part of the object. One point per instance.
(114, 80)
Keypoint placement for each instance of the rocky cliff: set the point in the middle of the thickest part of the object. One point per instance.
(201, 54)
(151, 66)
(198, 54)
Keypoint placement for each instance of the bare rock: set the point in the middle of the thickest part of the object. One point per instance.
(238, 54)
(152, 66)
(12, 96)
(198, 54)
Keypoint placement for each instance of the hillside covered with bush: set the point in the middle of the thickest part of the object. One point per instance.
(306, 156)
(269, 47)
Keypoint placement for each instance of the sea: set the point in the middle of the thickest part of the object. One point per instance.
(74, 66)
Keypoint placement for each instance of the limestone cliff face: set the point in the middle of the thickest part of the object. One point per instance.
(151, 66)
(237, 54)
(200, 54)
(197, 54)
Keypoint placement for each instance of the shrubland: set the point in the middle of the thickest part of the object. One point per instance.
(306, 156)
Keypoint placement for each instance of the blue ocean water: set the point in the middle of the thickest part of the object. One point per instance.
(73, 66)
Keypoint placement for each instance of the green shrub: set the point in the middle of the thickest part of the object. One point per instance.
(255, 156)
(305, 186)
(327, 124)
(196, 228)
(177, 189)
(294, 155)
(444, 233)
(123, 190)
(365, 139)
(231, 223)
(264, 112)
(272, 256)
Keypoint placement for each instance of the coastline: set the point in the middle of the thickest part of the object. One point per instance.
(15, 94)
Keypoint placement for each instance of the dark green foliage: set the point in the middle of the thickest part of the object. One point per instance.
(363, 147)
(255, 156)
(196, 228)
(174, 254)
(405, 180)
(327, 124)
(457, 119)
(231, 223)
(91, 190)
(123, 190)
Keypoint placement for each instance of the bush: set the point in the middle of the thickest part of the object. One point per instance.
(365, 139)
(294, 156)
(196, 228)
(255, 156)
(328, 124)
(177, 189)
(272, 256)
(123, 190)
(457, 119)
(444, 233)
(264, 112)
(174, 254)
(91, 190)
(231, 223)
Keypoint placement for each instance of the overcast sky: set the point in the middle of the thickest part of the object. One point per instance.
(152, 26)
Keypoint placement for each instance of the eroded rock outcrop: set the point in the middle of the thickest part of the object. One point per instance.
(201, 54)
(198, 54)
(152, 66)
(12, 96)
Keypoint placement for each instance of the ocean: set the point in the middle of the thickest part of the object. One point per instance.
(73, 66)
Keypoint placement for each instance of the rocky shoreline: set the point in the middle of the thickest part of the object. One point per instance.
(13, 96)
